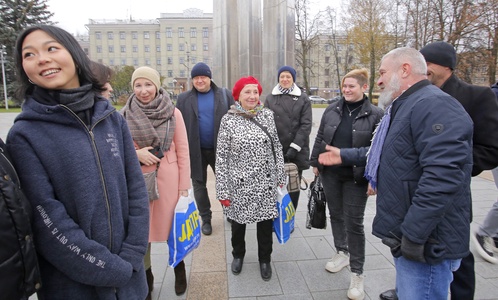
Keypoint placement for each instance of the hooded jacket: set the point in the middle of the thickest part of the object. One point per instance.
(89, 200)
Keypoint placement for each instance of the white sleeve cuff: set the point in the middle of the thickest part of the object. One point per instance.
(295, 147)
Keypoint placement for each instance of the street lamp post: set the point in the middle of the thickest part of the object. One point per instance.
(4, 81)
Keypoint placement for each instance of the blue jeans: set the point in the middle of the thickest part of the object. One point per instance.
(346, 201)
(416, 280)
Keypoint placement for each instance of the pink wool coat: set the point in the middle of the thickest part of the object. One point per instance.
(173, 175)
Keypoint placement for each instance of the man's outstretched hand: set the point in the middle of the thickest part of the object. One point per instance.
(330, 157)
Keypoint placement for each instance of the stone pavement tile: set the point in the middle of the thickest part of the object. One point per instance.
(385, 251)
(293, 249)
(210, 255)
(377, 262)
(318, 279)
(306, 296)
(250, 284)
(208, 286)
(328, 295)
(290, 277)
(378, 281)
(320, 247)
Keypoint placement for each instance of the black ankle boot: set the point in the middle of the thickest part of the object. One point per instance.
(180, 279)
(150, 282)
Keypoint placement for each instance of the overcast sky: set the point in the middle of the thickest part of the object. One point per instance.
(73, 17)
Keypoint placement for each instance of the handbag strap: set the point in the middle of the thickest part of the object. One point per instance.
(165, 137)
(268, 134)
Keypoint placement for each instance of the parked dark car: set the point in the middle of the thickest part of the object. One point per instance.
(333, 99)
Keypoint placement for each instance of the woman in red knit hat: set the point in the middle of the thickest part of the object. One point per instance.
(249, 168)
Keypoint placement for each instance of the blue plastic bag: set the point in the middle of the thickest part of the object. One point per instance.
(185, 234)
(283, 225)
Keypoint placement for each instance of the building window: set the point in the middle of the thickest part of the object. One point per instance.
(327, 47)
(170, 60)
(146, 34)
(123, 49)
(327, 59)
(180, 32)
(327, 72)
(147, 62)
(122, 35)
(205, 47)
(111, 62)
(182, 60)
(327, 83)
(99, 49)
(339, 47)
(147, 48)
(158, 35)
(110, 35)
(111, 49)
(181, 47)
(158, 48)
(123, 62)
(98, 35)
(169, 47)
(182, 73)
(169, 32)
(205, 32)
(135, 62)
(134, 35)
(193, 60)
(193, 32)
(135, 48)
(170, 73)
(193, 47)
(158, 61)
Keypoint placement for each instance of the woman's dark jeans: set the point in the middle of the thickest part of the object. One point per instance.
(346, 201)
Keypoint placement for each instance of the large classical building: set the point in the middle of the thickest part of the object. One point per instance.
(171, 44)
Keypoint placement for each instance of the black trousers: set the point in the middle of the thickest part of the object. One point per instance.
(464, 280)
(264, 236)
(208, 157)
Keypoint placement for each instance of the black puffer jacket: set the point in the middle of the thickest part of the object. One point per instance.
(19, 274)
(293, 120)
(363, 127)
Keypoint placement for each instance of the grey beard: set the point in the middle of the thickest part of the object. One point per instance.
(387, 95)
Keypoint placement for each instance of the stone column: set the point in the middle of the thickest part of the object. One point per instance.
(278, 40)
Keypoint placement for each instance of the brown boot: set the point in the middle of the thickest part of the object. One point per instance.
(180, 279)
(150, 282)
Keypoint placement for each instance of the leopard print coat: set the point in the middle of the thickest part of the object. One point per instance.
(246, 172)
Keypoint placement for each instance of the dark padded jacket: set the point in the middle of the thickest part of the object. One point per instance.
(424, 174)
(363, 127)
(482, 106)
(19, 274)
(294, 121)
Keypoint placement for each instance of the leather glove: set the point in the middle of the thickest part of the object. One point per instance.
(412, 251)
(225, 203)
(291, 153)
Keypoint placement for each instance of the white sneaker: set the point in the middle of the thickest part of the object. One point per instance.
(338, 262)
(356, 290)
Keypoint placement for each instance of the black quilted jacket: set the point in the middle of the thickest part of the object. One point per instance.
(19, 275)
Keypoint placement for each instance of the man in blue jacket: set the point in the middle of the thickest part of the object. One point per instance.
(420, 163)
(480, 103)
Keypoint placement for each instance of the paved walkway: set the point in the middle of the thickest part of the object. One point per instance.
(298, 265)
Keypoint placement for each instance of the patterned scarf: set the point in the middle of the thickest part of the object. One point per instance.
(373, 154)
(237, 109)
(284, 90)
(149, 122)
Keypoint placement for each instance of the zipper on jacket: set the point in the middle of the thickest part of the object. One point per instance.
(102, 178)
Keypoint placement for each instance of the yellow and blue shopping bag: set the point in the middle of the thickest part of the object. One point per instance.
(185, 234)
(283, 225)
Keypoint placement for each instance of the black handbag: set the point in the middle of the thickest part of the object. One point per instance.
(317, 204)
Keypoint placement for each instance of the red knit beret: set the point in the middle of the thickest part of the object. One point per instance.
(241, 83)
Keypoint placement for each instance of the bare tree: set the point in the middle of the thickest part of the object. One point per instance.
(306, 40)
